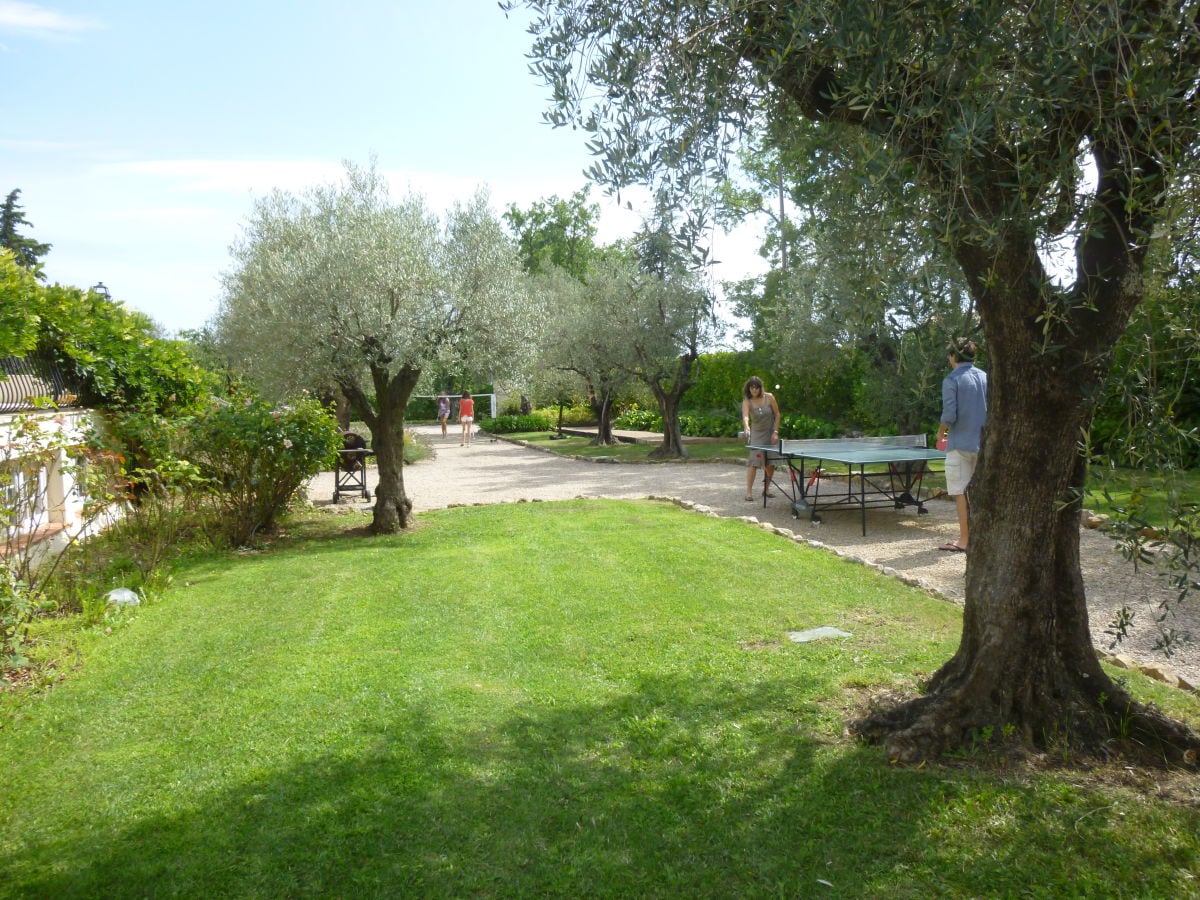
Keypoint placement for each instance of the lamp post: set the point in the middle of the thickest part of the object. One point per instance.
(99, 288)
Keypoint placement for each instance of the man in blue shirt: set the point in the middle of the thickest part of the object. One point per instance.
(964, 411)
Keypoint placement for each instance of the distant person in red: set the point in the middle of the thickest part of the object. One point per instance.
(466, 415)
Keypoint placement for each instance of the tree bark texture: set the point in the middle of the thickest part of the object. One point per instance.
(393, 509)
(669, 391)
(1026, 666)
(602, 408)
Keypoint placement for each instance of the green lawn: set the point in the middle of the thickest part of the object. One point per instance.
(544, 699)
(569, 445)
(1148, 495)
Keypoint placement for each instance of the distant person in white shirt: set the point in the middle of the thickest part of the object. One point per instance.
(964, 412)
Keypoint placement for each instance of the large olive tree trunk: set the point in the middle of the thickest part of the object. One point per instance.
(393, 509)
(1026, 665)
(600, 399)
(672, 446)
(668, 388)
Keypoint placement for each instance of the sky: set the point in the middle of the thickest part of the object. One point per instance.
(140, 132)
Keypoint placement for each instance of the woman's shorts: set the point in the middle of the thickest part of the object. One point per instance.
(467, 419)
(960, 466)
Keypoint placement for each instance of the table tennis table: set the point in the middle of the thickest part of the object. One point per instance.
(881, 472)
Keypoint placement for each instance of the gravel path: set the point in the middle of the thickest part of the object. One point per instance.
(500, 471)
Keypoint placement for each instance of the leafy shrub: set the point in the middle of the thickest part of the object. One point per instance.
(30, 447)
(255, 457)
(637, 419)
(421, 409)
(510, 424)
(575, 414)
(800, 427)
(16, 611)
(116, 354)
(716, 425)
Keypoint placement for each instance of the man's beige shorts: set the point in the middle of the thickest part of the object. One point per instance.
(960, 466)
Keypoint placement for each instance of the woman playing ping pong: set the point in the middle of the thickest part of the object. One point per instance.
(760, 415)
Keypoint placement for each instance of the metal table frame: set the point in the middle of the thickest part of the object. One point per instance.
(880, 473)
(350, 475)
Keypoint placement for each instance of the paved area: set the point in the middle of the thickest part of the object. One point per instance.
(900, 542)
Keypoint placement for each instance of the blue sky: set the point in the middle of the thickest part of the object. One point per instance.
(141, 132)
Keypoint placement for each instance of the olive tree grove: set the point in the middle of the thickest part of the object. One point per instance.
(344, 285)
(1018, 127)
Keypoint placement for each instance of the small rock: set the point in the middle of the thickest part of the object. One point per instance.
(815, 634)
(123, 597)
(1158, 673)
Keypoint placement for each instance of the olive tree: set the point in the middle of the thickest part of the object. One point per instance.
(667, 322)
(342, 284)
(580, 338)
(1018, 126)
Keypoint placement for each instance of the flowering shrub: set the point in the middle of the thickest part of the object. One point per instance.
(255, 457)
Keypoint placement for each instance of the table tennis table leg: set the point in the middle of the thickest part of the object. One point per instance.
(862, 496)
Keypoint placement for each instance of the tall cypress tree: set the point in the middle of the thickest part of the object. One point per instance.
(27, 251)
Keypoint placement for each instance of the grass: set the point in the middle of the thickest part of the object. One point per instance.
(551, 699)
(717, 448)
(1148, 494)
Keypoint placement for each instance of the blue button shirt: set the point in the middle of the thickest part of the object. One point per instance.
(964, 406)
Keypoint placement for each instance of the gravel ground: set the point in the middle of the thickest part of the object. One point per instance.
(901, 542)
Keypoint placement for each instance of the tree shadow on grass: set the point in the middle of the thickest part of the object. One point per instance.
(669, 790)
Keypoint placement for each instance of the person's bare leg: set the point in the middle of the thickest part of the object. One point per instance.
(963, 509)
(768, 479)
(750, 470)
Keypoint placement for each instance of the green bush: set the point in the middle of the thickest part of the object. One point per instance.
(509, 424)
(16, 611)
(801, 427)
(421, 409)
(574, 414)
(255, 457)
(716, 425)
(637, 419)
(116, 355)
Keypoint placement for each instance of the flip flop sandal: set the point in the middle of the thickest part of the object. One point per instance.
(953, 548)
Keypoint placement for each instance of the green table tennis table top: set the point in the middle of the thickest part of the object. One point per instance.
(852, 451)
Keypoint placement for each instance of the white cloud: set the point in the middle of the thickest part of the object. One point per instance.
(440, 190)
(231, 176)
(40, 21)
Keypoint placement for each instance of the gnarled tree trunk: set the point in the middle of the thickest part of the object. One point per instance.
(393, 509)
(1026, 665)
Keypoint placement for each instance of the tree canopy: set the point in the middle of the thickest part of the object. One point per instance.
(27, 252)
(556, 233)
(342, 285)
